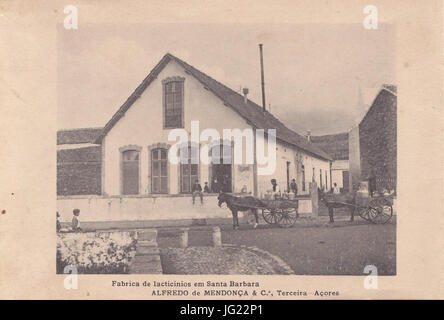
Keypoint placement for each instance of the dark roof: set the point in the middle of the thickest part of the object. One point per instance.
(390, 87)
(250, 111)
(81, 135)
(334, 144)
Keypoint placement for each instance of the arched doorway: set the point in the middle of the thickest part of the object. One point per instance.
(221, 168)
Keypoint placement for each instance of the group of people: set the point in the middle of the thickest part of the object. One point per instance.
(294, 188)
(276, 190)
(196, 189)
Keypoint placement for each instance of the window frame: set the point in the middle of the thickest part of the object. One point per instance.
(165, 82)
(122, 150)
(303, 177)
(326, 181)
(190, 145)
(159, 161)
(150, 148)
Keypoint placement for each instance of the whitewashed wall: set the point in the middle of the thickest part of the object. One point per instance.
(336, 172)
(142, 125)
(96, 208)
(285, 153)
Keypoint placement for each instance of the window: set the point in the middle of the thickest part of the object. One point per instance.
(221, 153)
(320, 178)
(303, 178)
(288, 176)
(173, 102)
(189, 168)
(326, 184)
(159, 171)
(130, 172)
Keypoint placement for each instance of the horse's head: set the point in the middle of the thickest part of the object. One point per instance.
(320, 194)
(221, 198)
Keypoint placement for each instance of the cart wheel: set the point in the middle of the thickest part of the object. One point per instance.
(363, 213)
(385, 213)
(271, 216)
(372, 214)
(288, 217)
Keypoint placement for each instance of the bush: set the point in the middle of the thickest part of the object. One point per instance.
(95, 253)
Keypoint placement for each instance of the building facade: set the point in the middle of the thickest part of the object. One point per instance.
(135, 141)
(337, 146)
(134, 144)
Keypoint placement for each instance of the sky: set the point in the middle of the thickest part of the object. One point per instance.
(313, 72)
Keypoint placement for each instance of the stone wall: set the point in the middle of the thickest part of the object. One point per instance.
(377, 142)
(79, 171)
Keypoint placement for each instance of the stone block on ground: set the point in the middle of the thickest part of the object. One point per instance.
(147, 250)
(148, 235)
(147, 243)
(143, 268)
(146, 259)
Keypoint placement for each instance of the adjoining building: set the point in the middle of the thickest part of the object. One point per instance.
(373, 144)
(78, 162)
(337, 146)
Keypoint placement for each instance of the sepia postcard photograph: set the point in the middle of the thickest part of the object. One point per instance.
(260, 150)
(195, 153)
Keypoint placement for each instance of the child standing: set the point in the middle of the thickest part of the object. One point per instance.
(75, 220)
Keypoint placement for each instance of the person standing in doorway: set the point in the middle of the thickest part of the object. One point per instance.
(294, 187)
(336, 189)
(215, 186)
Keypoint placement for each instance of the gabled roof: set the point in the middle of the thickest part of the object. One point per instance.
(250, 111)
(387, 91)
(334, 144)
(76, 136)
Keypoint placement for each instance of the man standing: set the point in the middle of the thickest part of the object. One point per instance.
(197, 190)
(276, 191)
(336, 189)
(294, 187)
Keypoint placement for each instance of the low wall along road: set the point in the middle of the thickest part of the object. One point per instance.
(165, 210)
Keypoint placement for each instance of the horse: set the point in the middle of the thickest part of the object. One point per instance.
(338, 201)
(234, 204)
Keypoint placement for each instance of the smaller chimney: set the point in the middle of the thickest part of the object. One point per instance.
(308, 135)
(245, 92)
